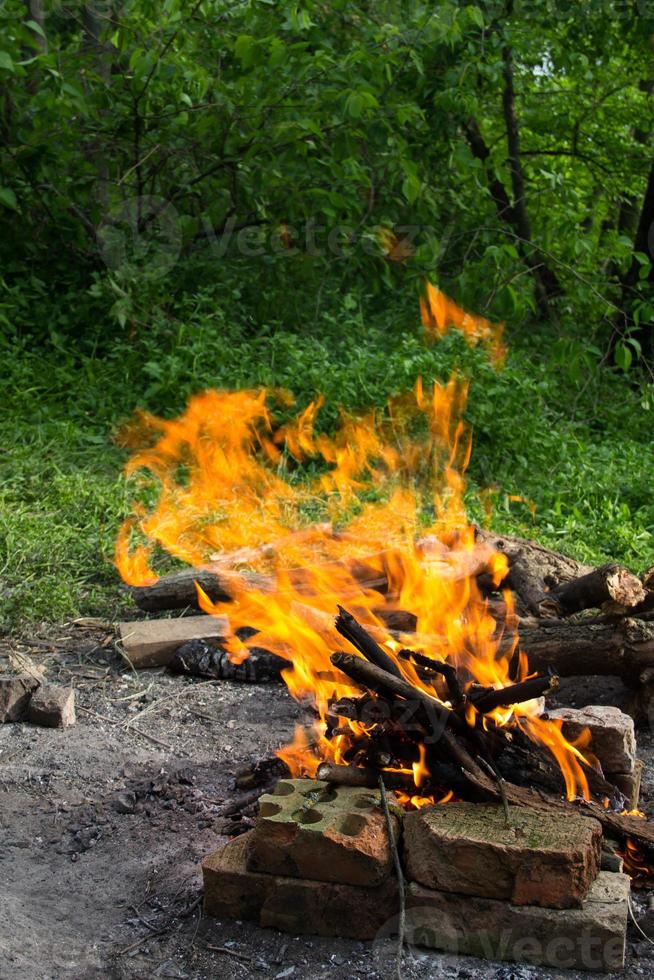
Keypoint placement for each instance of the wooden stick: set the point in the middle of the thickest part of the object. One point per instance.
(353, 631)
(399, 874)
(533, 687)
(448, 671)
(436, 714)
(364, 776)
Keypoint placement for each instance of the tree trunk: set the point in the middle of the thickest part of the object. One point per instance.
(35, 12)
(545, 280)
(630, 291)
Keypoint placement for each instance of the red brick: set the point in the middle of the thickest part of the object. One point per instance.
(293, 905)
(52, 707)
(589, 938)
(538, 859)
(311, 829)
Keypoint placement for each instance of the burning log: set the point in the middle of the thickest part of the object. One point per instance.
(377, 679)
(533, 687)
(353, 631)
(448, 671)
(364, 776)
(178, 591)
(432, 713)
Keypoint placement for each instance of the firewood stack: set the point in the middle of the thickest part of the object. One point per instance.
(571, 619)
(552, 599)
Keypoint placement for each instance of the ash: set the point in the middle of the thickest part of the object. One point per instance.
(103, 827)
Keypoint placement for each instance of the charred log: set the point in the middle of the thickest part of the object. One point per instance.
(198, 658)
(533, 687)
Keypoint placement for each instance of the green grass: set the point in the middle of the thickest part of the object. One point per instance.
(550, 427)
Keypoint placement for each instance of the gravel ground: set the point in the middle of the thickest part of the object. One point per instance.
(103, 827)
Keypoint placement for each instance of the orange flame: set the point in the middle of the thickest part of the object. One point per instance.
(439, 313)
(636, 864)
(229, 495)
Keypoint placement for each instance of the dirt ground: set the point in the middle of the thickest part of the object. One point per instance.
(103, 826)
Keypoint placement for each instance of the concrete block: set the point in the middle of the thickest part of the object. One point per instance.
(612, 732)
(588, 938)
(316, 830)
(293, 905)
(15, 693)
(538, 859)
(52, 707)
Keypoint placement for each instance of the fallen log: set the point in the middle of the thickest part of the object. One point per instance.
(178, 591)
(607, 646)
(608, 584)
(533, 569)
(624, 648)
(647, 604)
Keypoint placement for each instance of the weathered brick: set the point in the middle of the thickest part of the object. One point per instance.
(311, 829)
(15, 693)
(538, 859)
(589, 938)
(52, 707)
(293, 905)
(613, 740)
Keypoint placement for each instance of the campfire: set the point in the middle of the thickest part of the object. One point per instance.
(418, 645)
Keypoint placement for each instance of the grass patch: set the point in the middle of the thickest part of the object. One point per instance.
(577, 447)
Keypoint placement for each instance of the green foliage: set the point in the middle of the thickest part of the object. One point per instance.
(136, 148)
(580, 454)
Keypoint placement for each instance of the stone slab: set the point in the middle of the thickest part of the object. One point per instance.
(292, 905)
(317, 830)
(152, 642)
(613, 739)
(52, 707)
(629, 784)
(589, 938)
(541, 859)
(15, 693)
